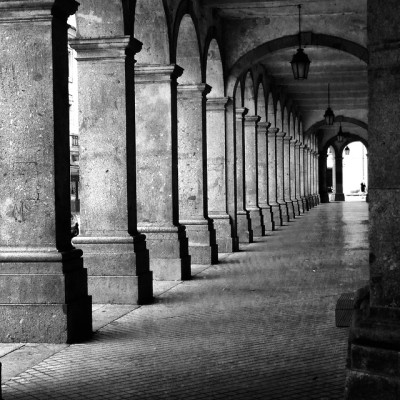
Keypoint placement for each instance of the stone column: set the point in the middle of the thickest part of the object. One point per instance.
(244, 229)
(231, 186)
(316, 179)
(339, 195)
(43, 285)
(263, 198)
(216, 173)
(293, 198)
(309, 178)
(192, 172)
(303, 175)
(114, 252)
(280, 176)
(374, 345)
(157, 171)
(272, 178)
(287, 177)
(298, 174)
(323, 190)
(251, 175)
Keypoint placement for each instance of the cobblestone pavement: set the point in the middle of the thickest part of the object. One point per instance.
(259, 325)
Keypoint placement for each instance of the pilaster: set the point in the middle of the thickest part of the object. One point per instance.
(157, 151)
(192, 173)
(251, 175)
(43, 285)
(287, 177)
(216, 174)
(298, 203)
(244, 228)
(303, 174)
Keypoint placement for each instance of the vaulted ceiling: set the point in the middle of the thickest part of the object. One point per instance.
(345, 72)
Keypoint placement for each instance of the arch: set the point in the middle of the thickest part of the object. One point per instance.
(214, 68)
(188, 51)
(261, 108)
(155, 50)
(239, 94)
(349, 138)
(338, 118)
(308, 39)
(249, 100)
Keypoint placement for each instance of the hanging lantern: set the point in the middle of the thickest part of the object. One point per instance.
(347, 150)
(329, 115)
(300, 61)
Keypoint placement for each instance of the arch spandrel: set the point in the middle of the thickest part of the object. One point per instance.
(150, 14)
(249, 100)
(214, 70)
(101, 18)
(188, 52)
(285, 121)
(271, 110)
(261, 107)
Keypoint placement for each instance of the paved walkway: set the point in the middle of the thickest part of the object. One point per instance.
(259, 325)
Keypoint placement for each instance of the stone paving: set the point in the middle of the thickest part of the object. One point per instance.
(259, 325)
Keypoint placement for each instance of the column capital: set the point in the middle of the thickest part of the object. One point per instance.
(280, 135)
(273, 131)
(105, 48)
(196, 89)
(216, 103)
(241, 112)
(157, 73)
(263, 127)
(302, 146)
(287, 138)
(33, 10)
(251, 119)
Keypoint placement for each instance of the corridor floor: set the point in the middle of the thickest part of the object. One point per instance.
(259, 325)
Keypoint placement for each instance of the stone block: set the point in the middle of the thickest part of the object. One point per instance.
(171, 269)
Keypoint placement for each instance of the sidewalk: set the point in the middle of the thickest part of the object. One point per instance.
(259, 325)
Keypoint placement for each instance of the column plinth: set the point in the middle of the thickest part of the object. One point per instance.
(115, 252)
(192, 173)
(43, 285)
(157, 193)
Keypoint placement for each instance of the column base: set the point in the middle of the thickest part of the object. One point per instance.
(203, 248)
(244, 230)
(297, 207)
(169, 252)
(374, 350)
(305, 204)
(44, 297)
(257, 221)
(324, 197)
(224, 233)
(291, 210)
(276, 215)
(339, 197)
(284, 212)
(266, 212)
(118, 269)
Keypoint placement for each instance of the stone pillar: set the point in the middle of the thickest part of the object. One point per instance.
(298, 176)
(43, 285)
(216, 173)
(251, 175)
(231, 182)
(374, 345)
(293, 197)
(280, 176)
(244, 228)
(316, 177)
(303, 176)
(157, 172)
(287, 177)
(114, 252)
(263, 181)
(272, 178)
(323, 190)
(339, 195)
(309, 178)
(192, 172)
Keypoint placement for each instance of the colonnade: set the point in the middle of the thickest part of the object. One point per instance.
(171, 173)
